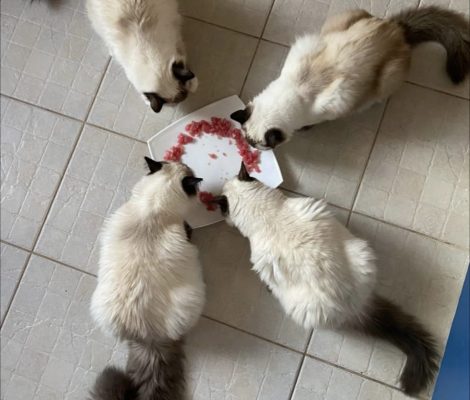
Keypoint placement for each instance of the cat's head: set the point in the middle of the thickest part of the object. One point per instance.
(237, 195)
(164, 84)
(168, 186)
(154, 59)
(270, 119)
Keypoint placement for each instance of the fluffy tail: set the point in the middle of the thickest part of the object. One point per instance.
(387, 321)
(113, 384)
(152, 372)
(447, 27)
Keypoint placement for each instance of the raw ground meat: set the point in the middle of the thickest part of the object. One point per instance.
(206, 198)
(222, 128)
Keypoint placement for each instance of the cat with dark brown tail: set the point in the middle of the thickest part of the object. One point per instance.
(150, 289)
(321, 273)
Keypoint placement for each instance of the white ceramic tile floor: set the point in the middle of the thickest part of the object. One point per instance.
(405, 164)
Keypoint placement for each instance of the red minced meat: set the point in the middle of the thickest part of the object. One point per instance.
(222, 128)
(206, 199)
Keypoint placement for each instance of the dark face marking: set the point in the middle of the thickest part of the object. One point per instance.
(156, 102)
(222, 202)
(243, 175)
(273, 137)
(188, 229)
(153, 165)
(189, 184)
(181, 73)
(241, 116)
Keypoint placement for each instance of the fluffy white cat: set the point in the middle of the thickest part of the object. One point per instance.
(355, 61)
(322, 274)
(150, 289)
(145, 38)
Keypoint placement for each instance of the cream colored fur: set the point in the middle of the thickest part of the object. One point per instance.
(145, 38)
(150, 284)
(355, 61)
(321, 273)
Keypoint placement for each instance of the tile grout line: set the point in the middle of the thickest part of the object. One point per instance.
(124, 135)
(296, 378)
(252, 334)
(304, 354)
(359, 374)
(54, 195)
(257, 47)
(23, 269)
(456, 246)
(353, 204)
(37, 254)
(41, 107)
(458, 96)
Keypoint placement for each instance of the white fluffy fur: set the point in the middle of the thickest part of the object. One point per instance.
(150, 281)
(327, 76)
(145, 37)
(319, 271)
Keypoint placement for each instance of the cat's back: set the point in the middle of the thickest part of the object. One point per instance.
(119, 15)
(355, 46)
(149, 279)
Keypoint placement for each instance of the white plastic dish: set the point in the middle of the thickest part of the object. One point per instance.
(214, 171)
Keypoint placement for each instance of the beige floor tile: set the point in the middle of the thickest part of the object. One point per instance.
(228, 364)
(101, 173)
(318, 381)
(417, 176)
(51, 56)
(248, 16)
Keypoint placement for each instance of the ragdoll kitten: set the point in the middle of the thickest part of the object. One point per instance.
(355, 61)
(145, 38)
(150, 289)
(322, 275)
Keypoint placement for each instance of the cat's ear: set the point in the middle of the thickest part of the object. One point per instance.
(274, 137)
(222, 202)
(156, 102)
(189, 184)
(243, 175)
(181, 72)
(241, 116)
(154, 166)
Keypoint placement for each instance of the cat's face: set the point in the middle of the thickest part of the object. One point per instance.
(236, 195)
(270, 119)
(168, 185)
(163, 83)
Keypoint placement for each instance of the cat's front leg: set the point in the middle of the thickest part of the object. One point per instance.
(189, 230)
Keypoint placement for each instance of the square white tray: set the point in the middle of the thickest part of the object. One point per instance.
(214, 171)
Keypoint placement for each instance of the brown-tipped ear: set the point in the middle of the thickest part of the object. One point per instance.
(189, 184)
(222, 202)
(156, 102)
(243, 175)
(153, 165)
(241, 116)
(274, 137)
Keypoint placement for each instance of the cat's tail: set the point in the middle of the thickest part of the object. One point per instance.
(447, 27)
(387, 321)
(113, 384)
(153, 372)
